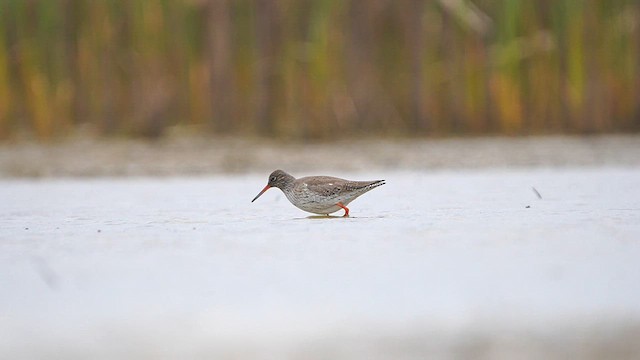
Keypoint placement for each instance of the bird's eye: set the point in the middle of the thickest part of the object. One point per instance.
(273, 178)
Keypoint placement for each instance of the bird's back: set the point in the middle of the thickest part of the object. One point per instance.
(320, 194)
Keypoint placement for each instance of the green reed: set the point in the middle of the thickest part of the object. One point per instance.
(319, 68)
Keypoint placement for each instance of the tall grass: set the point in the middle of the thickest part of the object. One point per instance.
(319, 68)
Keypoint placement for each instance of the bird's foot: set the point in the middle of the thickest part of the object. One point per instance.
(346, 209)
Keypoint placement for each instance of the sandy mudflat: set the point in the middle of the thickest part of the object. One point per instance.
(448, 264)
(190, 155)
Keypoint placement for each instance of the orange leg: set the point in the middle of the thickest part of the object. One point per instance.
(346, 209)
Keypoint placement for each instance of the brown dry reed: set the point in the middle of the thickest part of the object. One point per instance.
(303, 69)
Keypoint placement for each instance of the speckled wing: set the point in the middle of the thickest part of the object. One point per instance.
(335, 187)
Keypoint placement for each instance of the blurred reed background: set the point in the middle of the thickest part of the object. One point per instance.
(319, 69)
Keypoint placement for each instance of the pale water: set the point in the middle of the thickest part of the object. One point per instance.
(440, 264)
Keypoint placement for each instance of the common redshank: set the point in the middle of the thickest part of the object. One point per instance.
(319, 194)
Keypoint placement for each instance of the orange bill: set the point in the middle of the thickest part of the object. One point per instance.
(261, 192)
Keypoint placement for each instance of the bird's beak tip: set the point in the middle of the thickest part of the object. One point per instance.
(261, 192)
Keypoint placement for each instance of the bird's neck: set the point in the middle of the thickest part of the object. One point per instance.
(287, 184)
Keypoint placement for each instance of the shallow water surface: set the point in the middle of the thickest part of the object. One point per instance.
(147, 267)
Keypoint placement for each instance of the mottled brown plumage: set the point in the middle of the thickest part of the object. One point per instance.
(319, 194)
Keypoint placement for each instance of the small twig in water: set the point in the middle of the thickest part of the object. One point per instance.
(536, 192)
